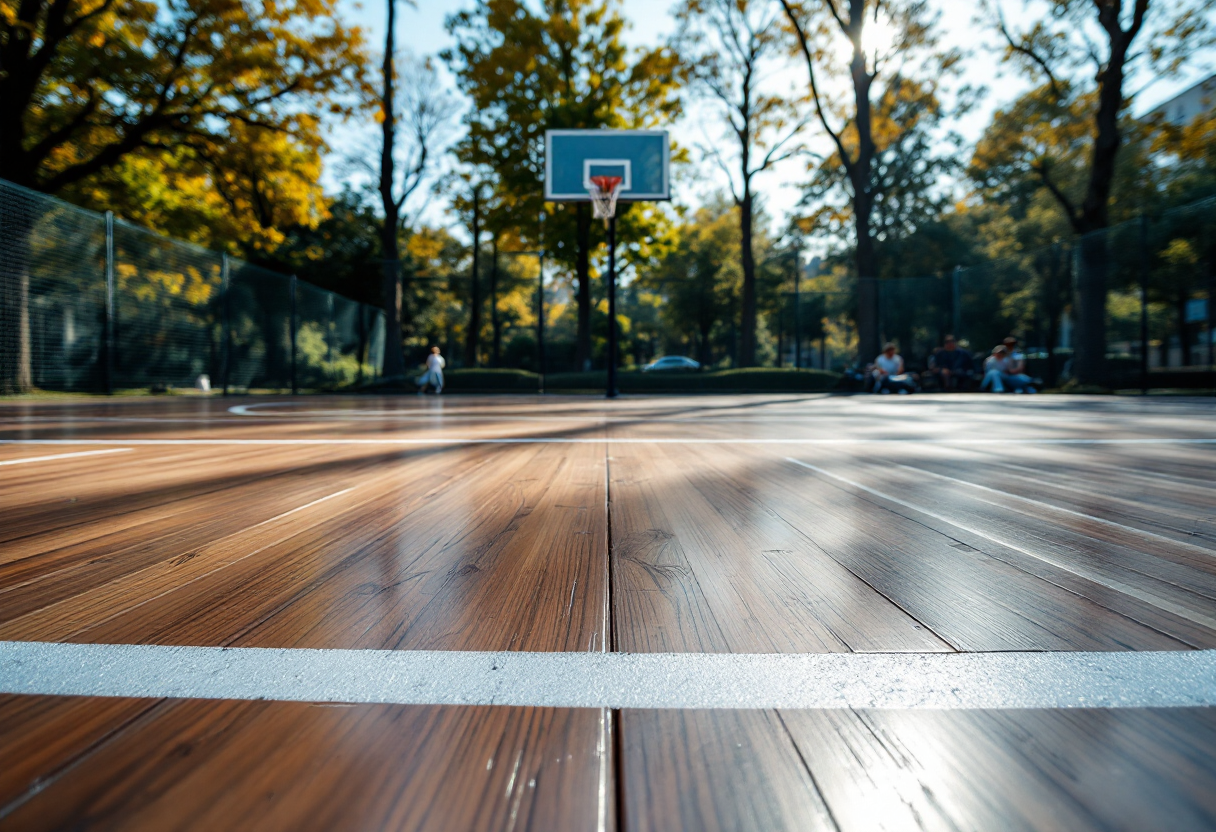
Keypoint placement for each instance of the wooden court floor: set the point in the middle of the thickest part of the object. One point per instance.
(1049, 532)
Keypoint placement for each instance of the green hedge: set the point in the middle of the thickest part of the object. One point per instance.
(484, 380)
(753, 380)
(757, 380)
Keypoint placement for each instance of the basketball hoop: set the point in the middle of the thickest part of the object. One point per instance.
(604, 190)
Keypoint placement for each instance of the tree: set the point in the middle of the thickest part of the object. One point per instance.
(557, 64)
(341, 253)
(214, 86)
(700, 279)
(887, 43)
(729, 48)
(472, 209)
(86, 84)
(1069, 40)
(907, 172)
(424, 108)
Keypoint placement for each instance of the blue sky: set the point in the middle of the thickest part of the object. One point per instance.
(421, 30)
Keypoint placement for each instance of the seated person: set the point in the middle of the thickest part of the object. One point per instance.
(951, 365)
(1022, 382)
(889, 373)
(998, 375)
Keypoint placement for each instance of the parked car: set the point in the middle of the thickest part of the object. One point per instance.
(671, 363)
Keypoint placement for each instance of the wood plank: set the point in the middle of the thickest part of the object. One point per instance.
(63, 562)
(1071, 771)
(516, 560)
(519, 536)
(44, 578)
(1175, 508)
(762, 583)
(1160, 566)
(40, 736)
(1073, 562)
(70, 498)
(207, 765)
(715, 770)
(972, 600)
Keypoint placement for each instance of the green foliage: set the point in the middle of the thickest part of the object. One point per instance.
(200, 119)
(490, 380)
(700, 278)
(562, 65)
(909, 203)
(320, 367)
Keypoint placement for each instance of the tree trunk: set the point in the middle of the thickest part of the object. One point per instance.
(868, 337)
(780, 342)
(390, 255)
(1089, 356)
(16, 354)
(1058, 278)
(747, 339)
(361, 350)
(390, 293)
(582, 271)
(1184, 343)
(1089, 360)
(472, 345)
(494, 321)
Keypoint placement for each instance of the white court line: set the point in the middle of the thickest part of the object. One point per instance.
(1071, 568)
(563, 440)
(1005, 495)
(617, 680)
(65, 456)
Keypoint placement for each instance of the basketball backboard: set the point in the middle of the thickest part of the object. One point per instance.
(640, 157)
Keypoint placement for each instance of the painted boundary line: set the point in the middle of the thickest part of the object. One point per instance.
(562, 440)
(617, 680)
(64, 456)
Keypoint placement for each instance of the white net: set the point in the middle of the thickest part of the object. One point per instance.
(604, 190)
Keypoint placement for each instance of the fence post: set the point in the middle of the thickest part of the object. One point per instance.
(225, 321)
(108, 334)
(540, 304)
(331, 332)
(797, 304)
(956, 301)
(1211, 318)
(294, 387)
(1144, 304)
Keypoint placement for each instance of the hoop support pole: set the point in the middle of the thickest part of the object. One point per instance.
(611, 391)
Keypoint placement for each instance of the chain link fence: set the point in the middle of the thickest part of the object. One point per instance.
(1160, 279)
(89, 303)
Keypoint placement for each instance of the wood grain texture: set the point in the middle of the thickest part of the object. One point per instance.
(689, 534)
(41, 736)
(476, 548)
(201, 765)
(1167, 505)
(1051, 771)
(714, 547)
(944, 578)
(715, 771)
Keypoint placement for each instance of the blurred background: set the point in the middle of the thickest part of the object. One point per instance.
(308, 196)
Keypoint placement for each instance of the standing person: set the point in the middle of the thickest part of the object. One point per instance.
(952, 365)
(434, 373)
